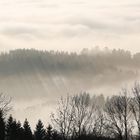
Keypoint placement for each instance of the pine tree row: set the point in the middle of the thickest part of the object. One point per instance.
(11, 129)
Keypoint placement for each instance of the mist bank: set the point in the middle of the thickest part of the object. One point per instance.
(37, 79)
(30, 73)
(95, 62)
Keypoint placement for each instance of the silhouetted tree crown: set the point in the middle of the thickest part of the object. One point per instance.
(2, 126)
(49, 133)
(27, 131)
(40, 132)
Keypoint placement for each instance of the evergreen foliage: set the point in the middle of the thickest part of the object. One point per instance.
(40, 132)
(2, 126)
(27, 131)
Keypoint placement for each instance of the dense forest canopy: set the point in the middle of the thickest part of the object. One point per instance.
(93, 61)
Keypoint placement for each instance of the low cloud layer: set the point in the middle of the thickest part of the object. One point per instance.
(31, 74)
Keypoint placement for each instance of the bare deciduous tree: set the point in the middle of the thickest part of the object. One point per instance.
(4, 103)
(74, 115)
(64, 117)
(83, 113)
(135, 105)
(119, 115)
(100, 123)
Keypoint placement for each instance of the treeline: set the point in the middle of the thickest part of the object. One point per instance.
(90, 61)
(81, 117)
(13, 130)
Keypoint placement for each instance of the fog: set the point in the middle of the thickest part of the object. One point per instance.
(37, 79)
(61, 55)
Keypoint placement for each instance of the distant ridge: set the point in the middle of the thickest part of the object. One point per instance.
(94, 61)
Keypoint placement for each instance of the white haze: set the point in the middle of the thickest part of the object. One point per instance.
(68, 25)
(36, 80)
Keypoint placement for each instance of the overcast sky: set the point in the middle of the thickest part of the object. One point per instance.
(69, 24)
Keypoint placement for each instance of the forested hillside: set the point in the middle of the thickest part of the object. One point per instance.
(88, 61)
(36, 79)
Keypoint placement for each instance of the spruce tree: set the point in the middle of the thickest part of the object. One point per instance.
(49, 132)
(27, 133)
(20, 131)
(40, 132)
(14, 135)
(2, 126)
(11, 129)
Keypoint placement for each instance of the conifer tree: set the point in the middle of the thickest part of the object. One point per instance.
(2, 126)
(49, 132)
(40, 132)
(27, 133)
(19, 131)
(11, 129)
